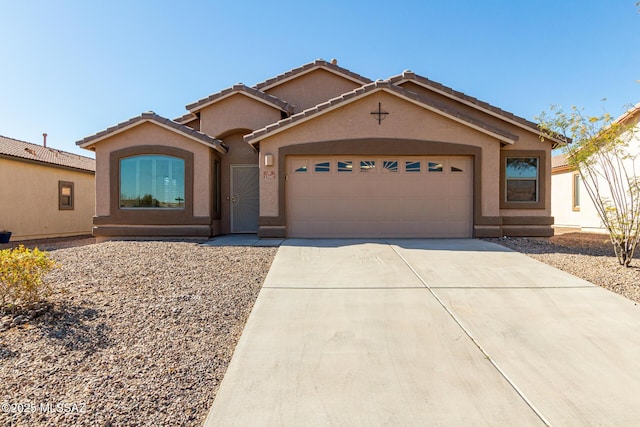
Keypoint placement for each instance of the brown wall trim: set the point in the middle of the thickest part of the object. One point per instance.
(381, 147)
(150, 216)
(177, 231)
(528, 231)
(488, 220)
(527, 220)
(542, 190)
(148, 220)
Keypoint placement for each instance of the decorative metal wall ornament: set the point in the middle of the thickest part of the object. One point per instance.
(380, 114)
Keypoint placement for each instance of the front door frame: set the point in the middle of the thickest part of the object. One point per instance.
(231, 196)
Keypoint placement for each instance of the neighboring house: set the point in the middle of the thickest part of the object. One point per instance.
(45, 192)
(571, 205)
(320, 151)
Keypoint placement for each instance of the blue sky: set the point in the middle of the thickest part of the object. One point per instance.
(74, 68)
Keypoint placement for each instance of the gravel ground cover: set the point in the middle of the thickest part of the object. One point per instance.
(136, 333)
(587, 255)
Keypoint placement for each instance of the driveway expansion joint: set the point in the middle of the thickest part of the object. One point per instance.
(473, 339)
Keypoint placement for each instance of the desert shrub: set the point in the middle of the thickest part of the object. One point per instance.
(22, 274)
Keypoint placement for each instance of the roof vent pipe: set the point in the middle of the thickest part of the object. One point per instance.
(44, 135)
(334, 61)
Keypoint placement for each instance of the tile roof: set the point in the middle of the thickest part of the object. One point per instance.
(245, 90)
(25, 150)
(469, 100)
(373, 87)
(153, 117)
(186, 118)
(559, 161)
(318, 63)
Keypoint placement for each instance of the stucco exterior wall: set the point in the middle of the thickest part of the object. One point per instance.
(30, 205)
(151, 134)
(236, 112)
(562, 200)
(313, 88)
(405, 121)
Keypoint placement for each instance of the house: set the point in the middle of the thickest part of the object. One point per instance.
(571, 205)
(320, 151)
(45, 192)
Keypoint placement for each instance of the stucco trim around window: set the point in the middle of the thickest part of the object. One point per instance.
(541, 155)
(150, 216)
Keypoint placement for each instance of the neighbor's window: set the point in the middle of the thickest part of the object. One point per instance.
(65, 195)
(521, 175)
(152, 181)
(576, 191)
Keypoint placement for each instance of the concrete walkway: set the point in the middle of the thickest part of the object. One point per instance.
(430, 332)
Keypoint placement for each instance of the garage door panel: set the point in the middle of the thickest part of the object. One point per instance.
(381, 201)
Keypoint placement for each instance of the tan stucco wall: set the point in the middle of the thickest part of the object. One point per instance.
(562, 200)
(236, 112)
(405, 121)
(313, 88)
(29, 207)
(152, 134)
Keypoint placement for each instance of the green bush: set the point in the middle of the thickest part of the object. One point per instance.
(21, 276)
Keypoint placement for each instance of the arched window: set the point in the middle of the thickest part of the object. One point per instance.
(152, 182)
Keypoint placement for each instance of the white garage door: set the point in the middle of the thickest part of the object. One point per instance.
(379, 196)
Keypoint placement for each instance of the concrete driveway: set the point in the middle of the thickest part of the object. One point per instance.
(430, 332)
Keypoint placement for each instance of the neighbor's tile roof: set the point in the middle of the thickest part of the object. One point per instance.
(153, 117)
(318, 109)
(559, 161)
(25, 150)
(242, 88)
(318, 63)
(447, 91)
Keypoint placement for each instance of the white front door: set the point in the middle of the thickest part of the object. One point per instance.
(245, 200)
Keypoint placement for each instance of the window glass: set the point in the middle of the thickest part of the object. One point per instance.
(455, 169)
(152, 181)
(522, 179)
(576, 192)
(65, 195)
(367, 165)
(435, 167)
(345, 166)
(301, 169)
(412, 166)
(390, 165)
(322, 167)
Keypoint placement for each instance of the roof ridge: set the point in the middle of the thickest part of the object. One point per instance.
(410, 75)
(308, 66)
(368, 88)
(241, 87)
(150, 115)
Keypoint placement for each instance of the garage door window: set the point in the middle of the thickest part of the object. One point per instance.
(521, 179)
(390, 165)
(345, 166)
(435, 167)
(367, 165)
(412, 166)
(322, 167)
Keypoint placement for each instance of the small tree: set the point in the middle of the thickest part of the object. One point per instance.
(599, 150)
